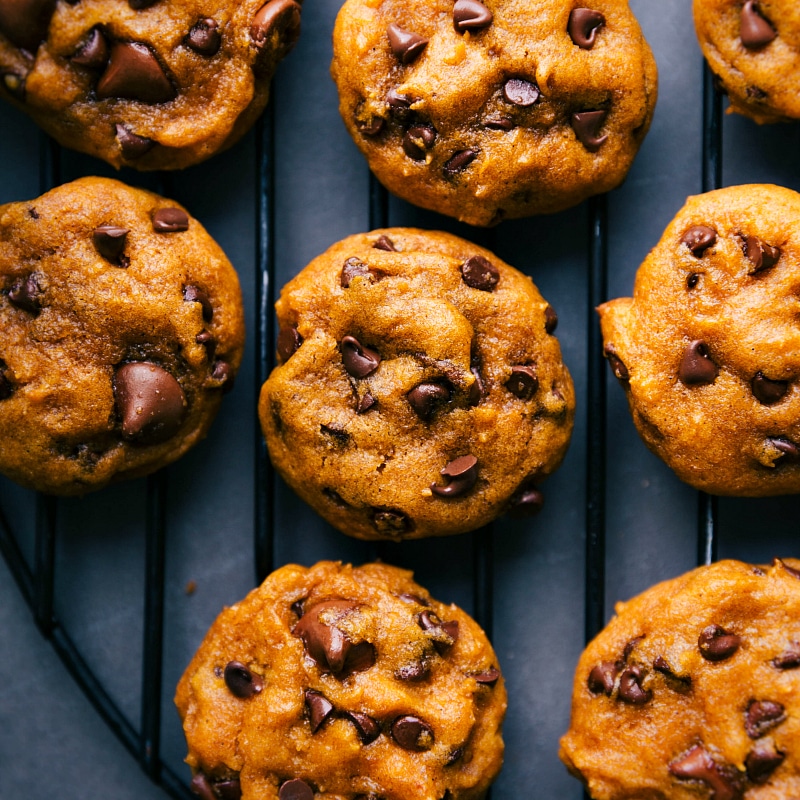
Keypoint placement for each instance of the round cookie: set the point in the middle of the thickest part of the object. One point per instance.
(708, 348)
(692, 691)
(122, 326)
(144, 83)
(341, 682)
(420, 390)
(486, 112)
(754, 50)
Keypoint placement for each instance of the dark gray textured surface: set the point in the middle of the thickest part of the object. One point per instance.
(52, 744)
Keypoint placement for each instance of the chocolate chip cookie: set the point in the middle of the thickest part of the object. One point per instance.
(144, 83)
(122, 326)
(693, 690)
(707, 348)
(492, 111)
(343, 682)
(753, 48)
(420, 389)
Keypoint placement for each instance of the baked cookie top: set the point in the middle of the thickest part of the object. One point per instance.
(421, 391)
(144, 83)
(341, 682)
(122, 324)
(754, 50)
(493, 111)
(708, 348)
(693, 690)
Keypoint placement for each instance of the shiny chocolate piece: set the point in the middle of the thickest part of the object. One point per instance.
(699, 238)
(479, 273)
(716, 644)
(790, 452)
(630, 687)
(110, 241)
(383, 242)
(150, 402)
(222, 373)
(587, 126)
(134, 73)
(498, 122)
(281, 16)
(413, 670)
(372, 127)
(471, 15)
(353, 268)
(461, 475)
(406, 45)
(788, 659)
(698, 765)
(583, 25)
(359, 360)
(367, 728)
(295, 789)
(25, 22)
(766, 391)
(242, 682)
(418, 139)
(289, 341)
(204, 37)
(755, 31)
(603, 677)
(26, 294)
(550, 320)
(399, 104)
(443, 634)
(520, 92)
(477, 390)
(366, 403)
(131, 144)
(523, 382)
(6, 387)
(763, 716)
(692, 280)
(412, 733)
(762, 761)
(527, 501)
(391, 522)
(170, 220)
(489, 677)
(319, 709)
(458, 162)
(617, 366)
(194, 294)
(696, 367)
(425, 398)
(201, 786)
(762, 255)
(93, 52)
(229, 789)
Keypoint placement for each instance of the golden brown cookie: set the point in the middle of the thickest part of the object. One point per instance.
(692, 691)
(122, 325)
(341, 682)
(708, 348)
(486, 112)
(420, 390)
(149, 84)
(753, 47)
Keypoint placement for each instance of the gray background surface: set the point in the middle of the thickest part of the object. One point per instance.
(52, 743)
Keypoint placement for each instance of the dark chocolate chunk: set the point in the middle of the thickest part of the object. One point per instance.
(699, 238)
(353, 268)
(630, 686)
(520, 92)
(790, 452)
(93, 52)
(602, 678)
(461, 474)
(372, 127)
(477, 390)
(15, 85)
(696, 367)
(766, 391)
(295, 789)
(455, 755)
(479, 273)
(26, 294)
(242, 682)
(762, 761)
(406, 46)
(550, 319)
(458, 162)
(289, 341)
(413, 671)
(194, 294)
(411, 733)
(367, 729)
(383, 242)
(170, 220)
(150, 402)
(319, 709)
(755, 31)
(399, 104)
(6, 387)
(698, 765)
(762, 255)
(390, 521)
(204, 37)
(488, 677)
(222, 373)
(228, 789)
(527, 501)
(25, 22)
(276, 16)
(617, 366)
(134, 73)
(201, 786)
(443, 634)
(417, 140)
(471, 15)
(583, 25)
(110, 241)
(425, 398)
(692, 280)
(366, 403)
(499, 123)
(407, 597)
(359, 360)
(630, 646)
(131, 144)
(763, 716)
(716, 644)
(788, 659)
(587, 125)
(523, 382)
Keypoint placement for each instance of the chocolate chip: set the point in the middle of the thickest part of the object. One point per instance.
(411, 733)
(25, 22)
(461, 474)
(425, 398)
(26, 294)
(527, 501)
(110, 241)
(477, 390)
(458, 162)
(417, 140)
(617, 366)
(520, 92)
(788, 659)
(407, 597)
(762, 761)
(366, 403)
(15, 85)
(696, 367)
(228, 790)
(6, 387)
(499, 123)
(399, 104)
(204, 37)
(479, 273)
(328, 645)
(489, 677)
(289, 341)
(295, 789)
(390, 522)
(170, 220)
(201, 786)
(697, 764)
(471, 15)
(716, 644)
(523, 382)
(660, 664)
(693, 280)
(583, 25)
(406, 46)
(319, 709)
(340, 436)
(131, 144)
(630, 686)
(242, 682)
(443, 634)
(790, 452)
(587, 125)
(455, 755)
(630, 646)
(276, 16)
(413, 671)
(372, 127)
(134, 73)
(762, 255)
(763, 716)
(93, 52)
(359, 360)
(699, 238)
(149, 401)
(756, 30)
(603, 676)
(194, 294)
(795, 573)
(756, 93)
(353, 268)
(550, 320)
(383, 242)
(367, 729)
(222, 373)
(766, 391)
(138, 5)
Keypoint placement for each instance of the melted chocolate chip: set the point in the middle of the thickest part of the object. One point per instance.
(204, 37)
(289, 341)
(763, 716)
(617, 366)
(587, 125)
(413, 671)
(697, 764)
(131, 144)
(766, 391)
(295, 789)
(390, 522)
(383, 242)
(359, 360)
(353, 268)
(716, 644)
(411, 733)
(583, 25)
(477, 390)
(788, 659)
(755, 31)
(499, 123)
(407, 597)
(25, 22)
(761, 255)
(699, 238)
(520, 92)
(134, 73)
(443, 634)
(170, 220)
(93, 52)
(26, 294)
(194, 294)
(696, 367)
(149, 401)
(110, 241)
(790, 452)
(550, 320)
(276, 16)
(319, 709)
(479, 273)
(406, 46)
(461, 474)
(458, 162)
(488, 677)
(660, 664)
(417, 140)
(366, 403)
(6, 387)
(367, 728)
(425, 398)
(523, 382)
(372, 127)
(399, 104)
(630, 686)
(762, 761)
(630, 646)
(242, 682)
(471, 15)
